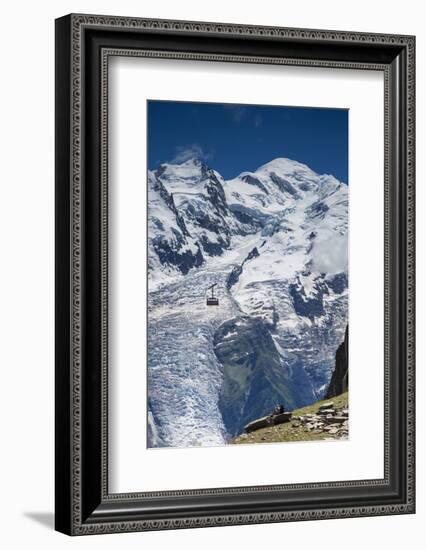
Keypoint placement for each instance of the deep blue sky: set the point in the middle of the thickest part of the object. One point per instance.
(233, 138)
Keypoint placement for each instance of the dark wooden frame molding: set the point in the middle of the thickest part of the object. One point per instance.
(84, 44)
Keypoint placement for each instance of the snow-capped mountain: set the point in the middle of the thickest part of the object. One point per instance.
(189, 218)
(275, 242)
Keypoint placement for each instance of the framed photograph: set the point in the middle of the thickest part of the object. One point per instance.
(234, 274)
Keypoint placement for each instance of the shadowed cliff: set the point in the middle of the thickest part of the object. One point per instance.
(339, 378)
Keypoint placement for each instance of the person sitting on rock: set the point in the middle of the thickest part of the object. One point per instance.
(279, 409)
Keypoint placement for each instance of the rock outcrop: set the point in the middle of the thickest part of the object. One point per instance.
(329, 419)
(340, 376)
(271, 420)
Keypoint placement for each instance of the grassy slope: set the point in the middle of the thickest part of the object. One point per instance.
(287, 432)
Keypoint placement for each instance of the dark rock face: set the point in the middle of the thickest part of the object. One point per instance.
(213, 249)
(254, 219)
(216, 193)
(313, 305)
(254, 181)
(340, 376)
(245, 218)
(169, 255)
(234, 276)
(317, 210)
(308, 306)
(238, 269)
(284, 185)
(338, 283)
(168, 199)
(254, 253)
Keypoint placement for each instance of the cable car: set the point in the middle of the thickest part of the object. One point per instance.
(212, 300)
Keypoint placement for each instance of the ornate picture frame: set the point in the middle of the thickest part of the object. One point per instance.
(84, 44)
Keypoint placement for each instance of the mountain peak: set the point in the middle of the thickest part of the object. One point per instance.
(190, 170)
(194, 162)
(285, 166)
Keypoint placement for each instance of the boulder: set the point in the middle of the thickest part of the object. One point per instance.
(266, 421)
(258, 424)
(307, 418)
(331, 419)
(325, 406)
(337, 419)
(324, 412)
(281, 418)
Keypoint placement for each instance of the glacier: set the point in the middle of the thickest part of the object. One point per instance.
(275, 241)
